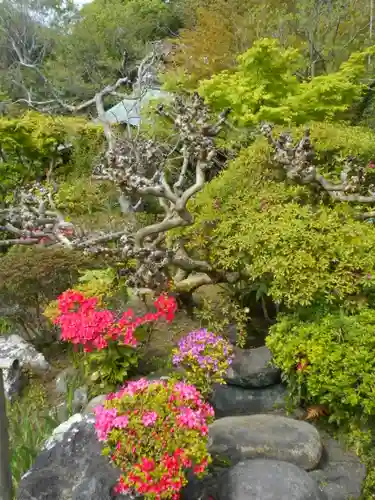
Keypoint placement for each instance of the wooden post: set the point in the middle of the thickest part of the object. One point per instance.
(6, 489)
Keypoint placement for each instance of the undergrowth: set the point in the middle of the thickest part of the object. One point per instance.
(31, 423)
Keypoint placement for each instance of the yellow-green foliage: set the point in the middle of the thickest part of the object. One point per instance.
(81, 195)
(250, 221)
(29, 144)
(264, 86)
(330, 360)
(99, 283)
(340, 139)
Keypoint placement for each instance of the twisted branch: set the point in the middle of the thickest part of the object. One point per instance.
(299, 164)
(141, 167)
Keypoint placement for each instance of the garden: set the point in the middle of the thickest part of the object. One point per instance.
(190, 291)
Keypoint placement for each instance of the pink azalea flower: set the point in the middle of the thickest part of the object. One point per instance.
(149, 418)
(121, 422)
(104, 421)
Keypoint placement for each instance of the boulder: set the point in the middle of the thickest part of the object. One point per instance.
(230, 333)
(341, 474)
(58, 433)
(266, 436)
(268, 480)
(71, 467)
(63, 379)
(60, 412)
(252, 368)
(97, 401)
(255, 337)
(15, 347)
(77, 404)
(229, 400)
(205, 488)
(80, 398)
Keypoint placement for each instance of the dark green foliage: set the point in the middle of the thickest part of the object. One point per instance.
(30, 277)
(107, 42)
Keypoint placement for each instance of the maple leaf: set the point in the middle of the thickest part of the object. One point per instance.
(316, 411)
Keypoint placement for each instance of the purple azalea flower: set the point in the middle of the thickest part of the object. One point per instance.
(200, 345)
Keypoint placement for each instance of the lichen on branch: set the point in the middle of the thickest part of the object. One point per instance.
(298, 161)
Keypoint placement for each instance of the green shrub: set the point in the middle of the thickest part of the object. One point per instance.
(79, 196)
(29, 147)
(30, 277)
(218, 313)
(329, 359)
(109, 368)
(250, 221)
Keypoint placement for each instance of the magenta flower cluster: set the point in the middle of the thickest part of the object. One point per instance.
(155, 432)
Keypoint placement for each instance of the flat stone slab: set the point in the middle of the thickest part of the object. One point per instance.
(266, 436)
(229, 400)
(341, 474)
(268, 480)
(252, 369)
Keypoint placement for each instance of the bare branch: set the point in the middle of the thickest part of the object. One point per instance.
(143, 167)
(298, 163)
(138, 167)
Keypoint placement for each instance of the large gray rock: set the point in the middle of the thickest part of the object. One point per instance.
(64, 378)
(341, 474)
(76, 404)
(252, 368)
(255, 337)
(97, 401)
(268, 480)
(205, 488)
(70, 467)
(80, 398)
(266, 436)
(229, 400)
(15, 347)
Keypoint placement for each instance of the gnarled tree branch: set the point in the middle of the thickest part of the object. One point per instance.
(298, 161)
(141, 167)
